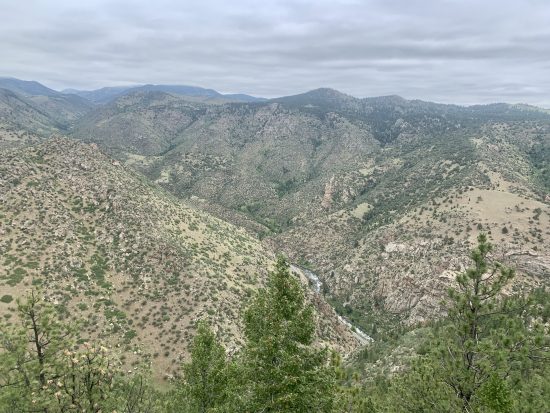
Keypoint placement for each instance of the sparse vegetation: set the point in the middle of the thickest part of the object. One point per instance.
(6, 298)
(382, 198)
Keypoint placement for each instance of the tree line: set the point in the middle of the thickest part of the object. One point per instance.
(489, 354)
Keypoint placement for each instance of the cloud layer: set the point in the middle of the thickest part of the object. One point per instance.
(459, 51)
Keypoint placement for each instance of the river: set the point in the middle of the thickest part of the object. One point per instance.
(316, 284)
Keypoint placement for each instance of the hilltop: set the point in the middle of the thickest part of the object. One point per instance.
(108, 94)
(30, 112)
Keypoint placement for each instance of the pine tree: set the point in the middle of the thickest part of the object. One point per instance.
(482, 353)
(85, 383)
(30, 356)
(283, 372)
(477, 348)
(351, 396)
(205, 377)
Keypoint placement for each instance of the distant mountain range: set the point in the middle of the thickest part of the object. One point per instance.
(108, 94)
(26, 87)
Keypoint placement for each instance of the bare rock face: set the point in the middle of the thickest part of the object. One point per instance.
(404, 267)
(531, 262)
(394, 247)
(328, 194)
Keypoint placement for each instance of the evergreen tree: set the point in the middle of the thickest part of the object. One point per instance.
(479, 342)
(31, 356)
(282, 370)
(135, 394)
(205, 377)
(351, 395)
(482, 353)
(86, 382)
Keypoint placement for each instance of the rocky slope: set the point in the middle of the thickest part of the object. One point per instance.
(21, 121)
(26, 119)
(381, 196)
(139, 123)
(139, 266)
(60, 109)
(265, 160)
(402, 241)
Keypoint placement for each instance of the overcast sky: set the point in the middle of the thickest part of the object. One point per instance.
(459, 51)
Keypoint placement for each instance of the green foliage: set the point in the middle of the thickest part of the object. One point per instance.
(205, 377)
(285, 187)
(278, 370)
(495, 395)
(42, 369)
(86, 384)
(350, 396)
(281, 370)
(370, 317)
(6, 298)
(16, 276)
(30, 355)
(486, 334)
(419, 390)
(540, 158)
(489, 355)
(136, 394)
(484, 355)
(129, 335)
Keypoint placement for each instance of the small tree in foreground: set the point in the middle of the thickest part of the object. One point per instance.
(43, 370)
(485, 334)
(283, 371)
(31, 356)
(205, 376)
(489, 345)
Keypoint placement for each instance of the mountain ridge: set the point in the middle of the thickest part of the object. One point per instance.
(356, 170)
(26, 87)
(330, 179)
(108, 94)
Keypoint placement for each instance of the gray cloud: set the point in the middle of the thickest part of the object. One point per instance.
(461, 51)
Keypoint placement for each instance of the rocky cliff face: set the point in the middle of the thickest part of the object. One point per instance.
(406, 265)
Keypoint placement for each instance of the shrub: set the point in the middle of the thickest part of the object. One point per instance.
(6, 299)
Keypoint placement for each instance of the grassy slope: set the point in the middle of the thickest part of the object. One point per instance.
(139, 266)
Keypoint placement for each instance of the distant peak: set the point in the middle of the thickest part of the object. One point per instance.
(320, 98)
(142, 95)
(26, 87)
(392, 99)
(328, 92)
